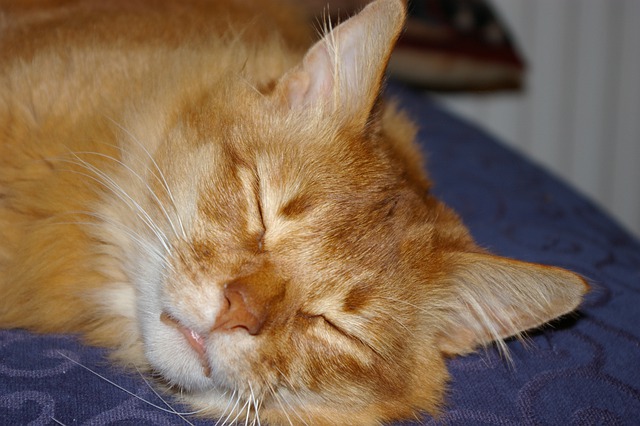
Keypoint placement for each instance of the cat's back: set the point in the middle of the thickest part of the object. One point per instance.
(28, 26)
(68, 57)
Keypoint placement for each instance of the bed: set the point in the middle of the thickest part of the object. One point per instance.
(582, 369)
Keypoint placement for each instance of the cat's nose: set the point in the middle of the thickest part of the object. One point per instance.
(240, 310)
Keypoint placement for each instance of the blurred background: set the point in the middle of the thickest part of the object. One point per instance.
(578, 111)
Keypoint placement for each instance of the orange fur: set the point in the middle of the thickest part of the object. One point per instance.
(188, 184)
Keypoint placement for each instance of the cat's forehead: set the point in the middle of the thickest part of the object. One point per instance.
(285, 146)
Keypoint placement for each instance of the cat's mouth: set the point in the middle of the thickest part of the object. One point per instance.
(195, 340)
(236, 314)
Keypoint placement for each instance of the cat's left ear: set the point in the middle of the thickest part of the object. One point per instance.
(494, 297)
(342, 73)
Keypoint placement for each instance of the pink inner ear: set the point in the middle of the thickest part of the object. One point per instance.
(314, 81)
(238, 313)
(297, 89)
(343, 71)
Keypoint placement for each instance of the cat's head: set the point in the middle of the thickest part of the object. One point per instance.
(309, 274)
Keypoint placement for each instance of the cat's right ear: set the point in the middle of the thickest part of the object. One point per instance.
(341, 75)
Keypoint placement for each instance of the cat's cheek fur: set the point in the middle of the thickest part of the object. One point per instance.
(166, 349)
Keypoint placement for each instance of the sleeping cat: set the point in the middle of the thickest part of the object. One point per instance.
(238, 214)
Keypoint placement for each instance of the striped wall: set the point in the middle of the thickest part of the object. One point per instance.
(580, 113)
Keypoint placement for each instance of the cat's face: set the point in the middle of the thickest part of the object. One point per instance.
(306, 272)
(298, 278)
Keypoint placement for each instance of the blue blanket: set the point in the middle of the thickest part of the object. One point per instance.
(584, 369)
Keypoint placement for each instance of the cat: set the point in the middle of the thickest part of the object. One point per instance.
(234, 209)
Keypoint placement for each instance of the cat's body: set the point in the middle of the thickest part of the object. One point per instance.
(187, 184)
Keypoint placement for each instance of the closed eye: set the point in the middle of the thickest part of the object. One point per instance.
(333, 325)
(358, 340)
(321, 318)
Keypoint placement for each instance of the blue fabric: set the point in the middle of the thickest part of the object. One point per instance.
(584, 369)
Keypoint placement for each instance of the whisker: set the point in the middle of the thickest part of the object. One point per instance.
(499, 343)
(141, 179)
(240, 411)
(295, 394)
(117, 190)
(277, 398)
(163, 400)
(249, 403)
(403, 325)
(135, 237)
(256, 406)
(294, 410)
(235, 406)
(226, 408)
(131, 233)
(248, 83)
(155, 164)
(122, 388)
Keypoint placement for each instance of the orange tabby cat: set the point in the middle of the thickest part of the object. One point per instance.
(185, 183)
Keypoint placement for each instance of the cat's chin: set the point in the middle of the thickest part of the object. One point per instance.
(177, 365)
(197, 367)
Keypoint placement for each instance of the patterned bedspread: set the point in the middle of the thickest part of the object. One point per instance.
(584, 369)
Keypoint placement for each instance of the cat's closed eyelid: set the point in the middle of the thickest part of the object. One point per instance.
(332, 323)
(324, 319)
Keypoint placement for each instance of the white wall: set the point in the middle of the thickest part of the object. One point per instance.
(580, 114)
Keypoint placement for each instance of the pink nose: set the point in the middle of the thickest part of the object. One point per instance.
(239, 311)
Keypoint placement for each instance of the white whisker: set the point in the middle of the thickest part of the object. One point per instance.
(256, 406)
(119, 192)
(226, 408)
(122, 388)
(292, 408)
(249, 404)
(163, 400)
(162, 178)
(235, 406)
(277, 398)
(240, 411)
(135, 237)
(141, 179)
(295, 394)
